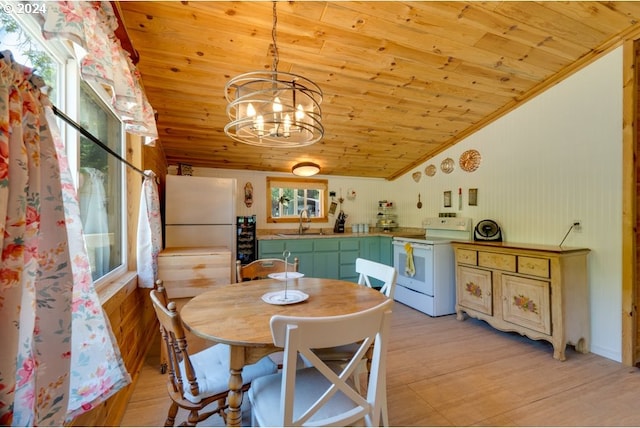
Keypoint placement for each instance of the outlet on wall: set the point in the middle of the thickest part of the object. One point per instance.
(577, 226)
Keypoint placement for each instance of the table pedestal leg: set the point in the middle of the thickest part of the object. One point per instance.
(234, 413)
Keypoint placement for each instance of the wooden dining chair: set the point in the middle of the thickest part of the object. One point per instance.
(198, 380)
(261, 268)
(323, 395)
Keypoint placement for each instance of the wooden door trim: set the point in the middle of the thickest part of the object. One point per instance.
(630, 189)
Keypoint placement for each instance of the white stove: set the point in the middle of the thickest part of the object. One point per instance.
(428, 285)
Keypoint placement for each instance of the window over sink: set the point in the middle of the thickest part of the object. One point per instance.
(288, 197)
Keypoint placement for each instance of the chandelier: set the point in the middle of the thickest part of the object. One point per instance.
(274, 108)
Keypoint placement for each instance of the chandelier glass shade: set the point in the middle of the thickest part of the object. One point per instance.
(274, 108)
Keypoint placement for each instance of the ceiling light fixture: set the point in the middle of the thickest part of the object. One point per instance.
(305, 169)
(274, 108)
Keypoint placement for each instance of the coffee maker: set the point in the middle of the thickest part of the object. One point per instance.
(339, 225)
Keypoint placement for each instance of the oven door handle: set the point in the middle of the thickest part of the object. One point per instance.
(427, 247)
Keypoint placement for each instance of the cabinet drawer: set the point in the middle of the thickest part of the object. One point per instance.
(505, 262)
(526, 302)
(300, 246)
(326, 245)
(533, 266)
(188, 276)
(468, 257)
(349, 244)
(271, 246)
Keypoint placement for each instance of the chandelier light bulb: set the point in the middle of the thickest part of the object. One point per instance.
(260, 125)
(287, 125)
(250, 110)
(277, 105)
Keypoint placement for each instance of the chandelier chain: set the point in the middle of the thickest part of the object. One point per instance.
(276, 58)
(272, 108)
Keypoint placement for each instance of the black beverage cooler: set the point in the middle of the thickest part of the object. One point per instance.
(246, 247)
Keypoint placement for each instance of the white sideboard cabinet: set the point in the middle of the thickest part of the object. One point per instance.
(541, 292)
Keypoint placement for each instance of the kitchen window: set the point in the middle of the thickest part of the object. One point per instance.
(288, 197)
(99, 177)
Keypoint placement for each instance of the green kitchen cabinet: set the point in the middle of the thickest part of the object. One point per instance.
(330, 257)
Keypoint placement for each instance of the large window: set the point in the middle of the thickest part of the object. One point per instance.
(99, 176)
(287, 198)
(100, 188)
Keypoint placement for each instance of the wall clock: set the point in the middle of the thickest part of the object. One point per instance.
(470, 160)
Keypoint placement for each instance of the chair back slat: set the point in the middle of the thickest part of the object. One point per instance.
(261, 268)
(173, 333)
(388, 275)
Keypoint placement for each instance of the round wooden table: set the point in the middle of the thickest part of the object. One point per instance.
(237, 315)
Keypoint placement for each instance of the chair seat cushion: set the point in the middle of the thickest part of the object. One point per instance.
(212, 371)
(265, 397)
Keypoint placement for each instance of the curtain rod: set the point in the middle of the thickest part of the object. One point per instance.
(90, 136)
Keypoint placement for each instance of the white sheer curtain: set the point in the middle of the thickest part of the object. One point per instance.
(93, 212)
(59, 356)
(149, 232)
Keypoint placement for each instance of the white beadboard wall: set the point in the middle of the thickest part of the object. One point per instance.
(554, 160)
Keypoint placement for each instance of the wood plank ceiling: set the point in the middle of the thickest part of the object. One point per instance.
(402, 81)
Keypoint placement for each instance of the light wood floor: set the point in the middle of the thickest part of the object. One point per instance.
(443, 372)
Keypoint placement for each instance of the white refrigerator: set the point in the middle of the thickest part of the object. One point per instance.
(200, 212)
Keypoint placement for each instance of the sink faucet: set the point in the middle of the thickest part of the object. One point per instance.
(304, 214)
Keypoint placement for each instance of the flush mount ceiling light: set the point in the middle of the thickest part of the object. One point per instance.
(274, 108)
(305, 169)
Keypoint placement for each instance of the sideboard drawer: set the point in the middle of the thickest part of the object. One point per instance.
(467, 257)
(533, 266)
(506, 262)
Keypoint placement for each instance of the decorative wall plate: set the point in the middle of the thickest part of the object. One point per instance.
(470, 160)
(416, 176)
(430, 170)
(447, 165)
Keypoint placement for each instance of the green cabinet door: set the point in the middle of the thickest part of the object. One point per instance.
(326, 258)
(349, 252)
(370, 248)
(386, 250)
(271, 249)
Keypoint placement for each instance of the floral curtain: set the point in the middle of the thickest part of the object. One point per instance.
(59, 356)
(149, 232)
(91, 25)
